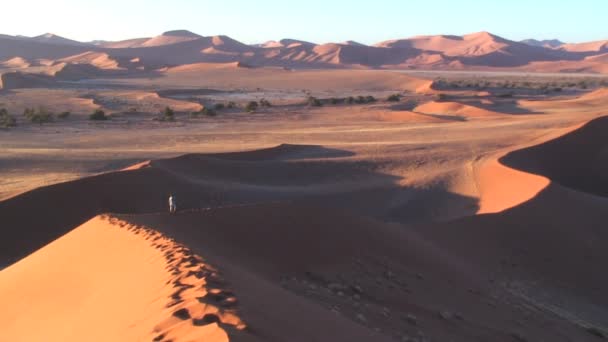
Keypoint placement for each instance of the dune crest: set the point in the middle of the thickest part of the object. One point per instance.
(154, 289)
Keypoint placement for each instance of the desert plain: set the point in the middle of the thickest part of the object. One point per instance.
(427, 197)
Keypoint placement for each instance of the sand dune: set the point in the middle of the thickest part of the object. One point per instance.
(96, 59)
(106, 268)
(16, 63)
(171, 37)
(576, 160)
(597, 46)
(455, 109)
(473, 51)
(365, 279)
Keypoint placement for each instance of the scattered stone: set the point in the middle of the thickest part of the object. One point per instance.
(361, 318)
(411, 319)
(340, 293)
(356, 297)
(357, 289)
(419, 276)
(386, 312)
(446, 315)
(388, 274)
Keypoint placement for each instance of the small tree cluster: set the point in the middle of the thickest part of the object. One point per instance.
(166, 115)
(7, 120)
(39, 116)
(442, 97)
(265, 103)
(98, 115)
(63, 115)
(394, 98)
(365, 99)
(314, 102)
(251, 106)
(204, 111)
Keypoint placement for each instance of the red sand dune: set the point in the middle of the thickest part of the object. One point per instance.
(108, 280)
(288, 266)
(473, 51)
(453, 108)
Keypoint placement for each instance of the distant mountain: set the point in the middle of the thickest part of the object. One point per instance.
(548, 43)
(55, 39)
(481, 50)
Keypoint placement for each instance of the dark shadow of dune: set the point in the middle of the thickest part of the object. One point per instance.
(311, 174)
(578, 160)
(550, 250)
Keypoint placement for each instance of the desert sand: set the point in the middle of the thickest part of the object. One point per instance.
(353, 204)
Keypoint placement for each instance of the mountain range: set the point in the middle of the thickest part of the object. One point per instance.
(476, 51)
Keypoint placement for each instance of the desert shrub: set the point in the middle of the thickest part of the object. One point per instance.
(204, 111)
(360, 99)
(265, 103)
(231, 105)
(63, 115)
(251, 106)
(40, 116)
(370, 99)
(219, 106)
(582, 84)
(442, 97)
(7, 120)
(335, 100)
(98, 115)
(394, 98)
(168, 114)
(314, 102)
(505, 95)
(604, 83)
(350, 100)
(557, 89)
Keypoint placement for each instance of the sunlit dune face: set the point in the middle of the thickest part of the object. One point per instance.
(108, 280)
(502, 187)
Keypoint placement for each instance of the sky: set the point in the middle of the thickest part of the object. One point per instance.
(319, 21)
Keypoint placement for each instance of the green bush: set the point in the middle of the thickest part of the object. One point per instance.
(40, 116)
(98, 115)
(314, 102)
(442, 97)
(168, 114)
(251, 106)
(394, 98)
(204, 111)
(265, 103)
(63, 115)
(7, 120)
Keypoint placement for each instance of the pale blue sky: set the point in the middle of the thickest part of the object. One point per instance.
(320, 21)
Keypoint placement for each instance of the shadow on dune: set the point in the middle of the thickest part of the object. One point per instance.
(550, 250)
(307, 174)
(578, 160)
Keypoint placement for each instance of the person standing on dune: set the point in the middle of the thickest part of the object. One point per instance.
(172, 205)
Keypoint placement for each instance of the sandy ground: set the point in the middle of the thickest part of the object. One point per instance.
(420, 220)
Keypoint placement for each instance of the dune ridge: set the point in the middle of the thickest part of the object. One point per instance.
(151, 286)
(475, 51)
